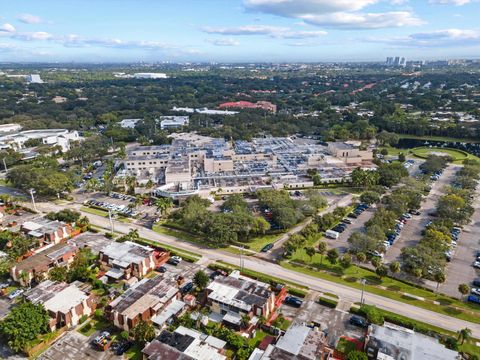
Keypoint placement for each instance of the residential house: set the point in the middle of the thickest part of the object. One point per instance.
(65, 303)
(185, 344)
(47, 231)
(236, 295)
(127, 259)
(37, 266)
(142, 301)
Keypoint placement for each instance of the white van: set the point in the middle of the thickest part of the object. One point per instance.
(332, 234)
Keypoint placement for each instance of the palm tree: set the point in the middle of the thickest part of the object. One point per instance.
(322, 249)
(464, 335)
(439, 277)
(394, 267)
(245, 321)
(92, 184)
(130, 182)
(463, 289)
(138, 200)
(164, 205)
(133, 234)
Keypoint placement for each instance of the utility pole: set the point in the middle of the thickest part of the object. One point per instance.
(32, 191)
(241, 258)
(111, 221)
(5, 165)
(362, 300)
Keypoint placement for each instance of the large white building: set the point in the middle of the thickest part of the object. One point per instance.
(150, 76)
(60, 137)
(129, 123)
(9, 128)
(34, 79)
(173, 122)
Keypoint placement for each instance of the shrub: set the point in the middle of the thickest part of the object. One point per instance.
(83, 319)
(327, 302)
(297, 292)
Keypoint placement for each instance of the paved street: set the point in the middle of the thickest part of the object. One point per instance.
(412, 231)
(272, 269)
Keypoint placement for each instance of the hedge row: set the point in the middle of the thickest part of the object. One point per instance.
(327, 302)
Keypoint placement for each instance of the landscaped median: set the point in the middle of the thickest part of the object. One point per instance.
(390, 288)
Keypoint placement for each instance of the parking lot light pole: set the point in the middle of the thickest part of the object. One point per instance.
(32, 191)
(363, 289)
(111, 221)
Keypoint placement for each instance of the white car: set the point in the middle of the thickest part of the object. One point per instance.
(15, 294)
(475, 291)
(176, 258)
(476, 264)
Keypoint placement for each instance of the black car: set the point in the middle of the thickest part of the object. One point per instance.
(186, 288)
(267, 248)
(173, 262)
(476, 282)
(162, 269)
(358, 321)
(122, 348)
(293, 301)
(352, 215)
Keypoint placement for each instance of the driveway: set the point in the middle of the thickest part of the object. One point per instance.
(412, 231)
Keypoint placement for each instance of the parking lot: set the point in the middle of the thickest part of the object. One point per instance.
(74, 346)
(460, 269)
(334, 323)
(341, 244)
(5, 306)
(412, 231)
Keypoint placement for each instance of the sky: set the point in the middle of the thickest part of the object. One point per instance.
(237, 30)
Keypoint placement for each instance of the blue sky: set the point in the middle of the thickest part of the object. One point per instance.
(237, 30)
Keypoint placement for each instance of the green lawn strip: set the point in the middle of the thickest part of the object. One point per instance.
(162, 229)
(93, 325)
(236, 251)
(93, 211)
(394, 151)
(469, 346)
(457, 155)
(393, 289)
(257, 243)
(437, 138)
(261, 276)
(257, 339)
(134, 353)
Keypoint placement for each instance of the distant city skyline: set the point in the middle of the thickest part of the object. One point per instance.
(238, 30)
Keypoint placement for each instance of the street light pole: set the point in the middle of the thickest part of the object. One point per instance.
(111, 221)
(32, 191)
(363, 288)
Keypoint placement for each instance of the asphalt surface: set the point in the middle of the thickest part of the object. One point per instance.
(411, 233)
(270, 268)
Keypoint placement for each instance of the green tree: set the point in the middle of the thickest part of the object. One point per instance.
(322, 250)
(357, 355)
(23, 324)
(381, 271)
(370, 197)
(332, 256)
(58, 273)
(200, 279)
(376, 261)
(310, 251)
(439, 278)
(361, 257)
(463, 289)
(346, 261)
(143, 332)
(394, 267)
(464, 335)
(372, 314)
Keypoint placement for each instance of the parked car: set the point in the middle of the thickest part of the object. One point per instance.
(187, 288)
(123, 347)
(332, 234)
(476, 282)
(476, 264)
(358, 321)
(176, 258)
(347, 221)
(172, 261)
(162, 269)
(474, 299)
(475, 291)
(15, 293)
(293, 301)
(267, 248)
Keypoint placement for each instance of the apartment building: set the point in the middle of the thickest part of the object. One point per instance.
(65, 303)
(47, 231)
(142, 301)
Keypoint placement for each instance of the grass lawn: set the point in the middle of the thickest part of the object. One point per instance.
(134, 353)
(237, 251)
(388, 287)
(437, 138)
(394, 151)
(94, 211)
(161, 229)
(344, 346)
(457, 155)
(257, 339)
(93, 325)
(257, 243)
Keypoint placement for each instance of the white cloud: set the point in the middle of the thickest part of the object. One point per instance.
(223, 42)
(438, 38)
(453, 2)
(7, 28)
(29, 19)
(343, 14)
(272, 31)
(364, 20)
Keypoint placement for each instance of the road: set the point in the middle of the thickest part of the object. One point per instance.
(272, 269)
(411, 233)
